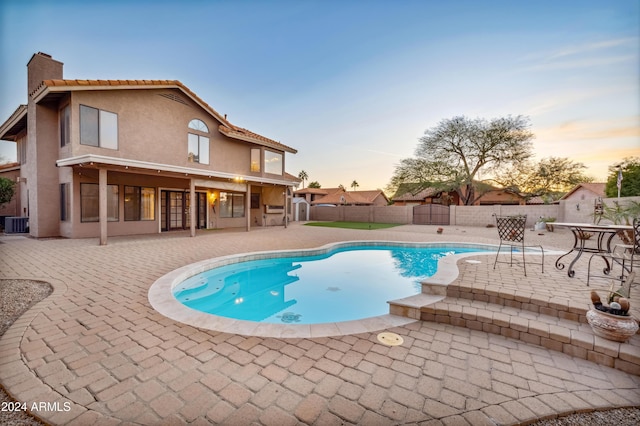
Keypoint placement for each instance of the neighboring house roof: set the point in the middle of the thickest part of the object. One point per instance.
(535, 200)
(51, 87)
(351, 197)
(418, 196)
(414, 192)
(596, 187)
(315, 191)
(7, 167)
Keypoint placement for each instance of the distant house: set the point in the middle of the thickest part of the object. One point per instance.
(585, 191)
(414, 194)
(312, 194)
(417, 194)
(338, 196)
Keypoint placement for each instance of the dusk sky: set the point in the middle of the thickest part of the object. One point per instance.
(352, 85)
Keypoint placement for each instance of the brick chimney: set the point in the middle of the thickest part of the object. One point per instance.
(42, 67)
(39, 169)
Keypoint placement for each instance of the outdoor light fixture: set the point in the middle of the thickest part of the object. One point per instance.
(578, 207)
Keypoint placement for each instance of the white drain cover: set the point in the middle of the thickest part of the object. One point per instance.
(390, 339)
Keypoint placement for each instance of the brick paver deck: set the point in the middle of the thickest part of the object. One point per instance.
(95, 352)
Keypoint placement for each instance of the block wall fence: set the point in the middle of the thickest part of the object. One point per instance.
(565, 211)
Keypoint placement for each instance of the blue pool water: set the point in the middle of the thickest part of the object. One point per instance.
(343, 284)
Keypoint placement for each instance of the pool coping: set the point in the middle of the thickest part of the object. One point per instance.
(161, 297)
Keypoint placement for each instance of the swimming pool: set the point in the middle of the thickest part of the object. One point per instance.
(341, 284)
(162, 299)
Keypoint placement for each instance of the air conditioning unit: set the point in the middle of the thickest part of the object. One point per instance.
(16, 225)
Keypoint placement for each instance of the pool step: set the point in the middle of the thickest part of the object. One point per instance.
(557, 327)
(572, 337)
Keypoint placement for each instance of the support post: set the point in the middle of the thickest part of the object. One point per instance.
(248, 207)
(193, 202)
(286, 198)
(102, 205)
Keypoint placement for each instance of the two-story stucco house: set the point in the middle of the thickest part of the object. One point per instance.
(101, 158)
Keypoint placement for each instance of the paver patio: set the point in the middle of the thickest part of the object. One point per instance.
(97, 345)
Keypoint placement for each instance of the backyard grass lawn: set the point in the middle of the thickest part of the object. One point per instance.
(354, 225)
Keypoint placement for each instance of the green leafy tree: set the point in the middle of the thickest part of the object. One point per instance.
(7, 190)
(314, 184)
(303, 176)
(630, 184)
(354, 185)
(457, 150)
(550, 178)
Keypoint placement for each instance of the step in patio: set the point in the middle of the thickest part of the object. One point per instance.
(553, 325)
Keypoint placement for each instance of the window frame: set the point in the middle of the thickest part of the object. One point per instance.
(65, 202)
(113, 204)
(255, 164)
(139, 215)
(202, 145)
(65, 125)
(199, 125)
(198, 142)
(237, 207)
(269, 156)
(98, 128)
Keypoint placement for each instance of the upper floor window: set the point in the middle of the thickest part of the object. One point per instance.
(273, 162)
(199, 125)
(98, 128)
(65, 114)
(255, 159)
(198, 144)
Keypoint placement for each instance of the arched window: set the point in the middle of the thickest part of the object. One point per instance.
(198, 143)
(198, 125)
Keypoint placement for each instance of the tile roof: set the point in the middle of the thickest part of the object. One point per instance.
(226, 127)
(16, 123)
(350, 197)
(319, 191)
(417, 196)
(7, 166)
(420, 196)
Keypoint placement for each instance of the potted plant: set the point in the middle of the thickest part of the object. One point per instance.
(548, 221)
(621, 215)
(612, 321)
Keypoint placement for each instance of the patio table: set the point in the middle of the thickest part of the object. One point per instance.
(582, 233)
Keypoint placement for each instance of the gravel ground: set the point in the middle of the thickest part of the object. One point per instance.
(17, 296)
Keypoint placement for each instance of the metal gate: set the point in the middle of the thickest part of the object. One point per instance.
(431, 214)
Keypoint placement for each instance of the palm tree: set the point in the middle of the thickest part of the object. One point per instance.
(354, 185)
(304, 176)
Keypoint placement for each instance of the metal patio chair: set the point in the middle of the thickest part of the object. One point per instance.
(625, 255)
(511, 230)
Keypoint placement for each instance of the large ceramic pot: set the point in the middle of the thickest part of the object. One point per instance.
(612, 327)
